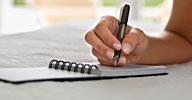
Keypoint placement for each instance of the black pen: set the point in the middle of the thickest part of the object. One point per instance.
(124, 14)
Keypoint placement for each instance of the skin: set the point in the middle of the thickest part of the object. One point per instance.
(173, 46)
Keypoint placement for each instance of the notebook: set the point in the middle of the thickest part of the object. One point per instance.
(65, 70)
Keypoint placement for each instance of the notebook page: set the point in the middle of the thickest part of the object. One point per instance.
(38, 73)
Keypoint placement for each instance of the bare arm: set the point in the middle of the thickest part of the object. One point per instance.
(175, 45)
(181, 19)
(168, 49)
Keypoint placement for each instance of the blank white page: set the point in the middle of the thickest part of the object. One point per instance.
(38, 73)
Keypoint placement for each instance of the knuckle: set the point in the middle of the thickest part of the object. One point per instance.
(138, 34)
(88, 36)
(108, 17)
(137, 29)
(105, 17)
(98, 27)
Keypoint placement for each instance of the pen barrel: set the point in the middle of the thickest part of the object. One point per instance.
(124, 14)
(121, 32)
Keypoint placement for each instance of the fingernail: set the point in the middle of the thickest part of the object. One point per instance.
(109, 54)
(126, 48)
(122, 60)
(117, 46)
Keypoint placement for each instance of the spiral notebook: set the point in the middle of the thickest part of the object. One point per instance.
(64, 70)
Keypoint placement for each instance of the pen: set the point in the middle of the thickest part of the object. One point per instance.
(124, 14)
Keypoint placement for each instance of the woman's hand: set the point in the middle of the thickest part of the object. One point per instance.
(104, 42)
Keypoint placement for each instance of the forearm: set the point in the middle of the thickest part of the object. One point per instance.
(171, 48)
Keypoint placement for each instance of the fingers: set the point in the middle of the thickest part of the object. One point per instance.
(102, 30)
(104, 42)
(102, 52)
(132, 39)
(103, 60)
(111, 22)
(98, 45)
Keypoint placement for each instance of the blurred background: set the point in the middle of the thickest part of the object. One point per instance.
(18, 16)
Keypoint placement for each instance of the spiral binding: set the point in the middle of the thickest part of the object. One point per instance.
(72, 66)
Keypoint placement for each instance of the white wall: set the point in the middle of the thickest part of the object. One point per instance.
(1, 12)
(4, 5)
(16, 19)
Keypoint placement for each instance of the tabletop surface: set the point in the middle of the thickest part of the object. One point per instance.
(65, 41)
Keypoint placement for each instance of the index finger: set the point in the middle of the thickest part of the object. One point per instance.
(104, 30)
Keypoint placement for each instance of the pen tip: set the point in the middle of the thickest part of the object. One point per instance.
(115, 63)
(116, 59)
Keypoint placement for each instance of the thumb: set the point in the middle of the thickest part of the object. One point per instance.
(131, 40)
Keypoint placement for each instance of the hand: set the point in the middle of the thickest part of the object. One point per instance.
(104, 42)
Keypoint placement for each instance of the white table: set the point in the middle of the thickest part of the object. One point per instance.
(65, 41)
